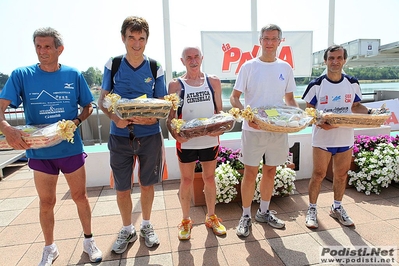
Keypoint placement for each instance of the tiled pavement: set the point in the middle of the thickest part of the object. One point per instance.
(21, 240)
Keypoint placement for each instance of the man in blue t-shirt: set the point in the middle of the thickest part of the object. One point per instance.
(51, 92)
(135, 138)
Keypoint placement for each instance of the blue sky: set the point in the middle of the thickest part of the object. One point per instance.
(91, 29)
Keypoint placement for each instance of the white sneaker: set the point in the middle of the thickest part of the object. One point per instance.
(341, 215)
(89, 246)
(124, 238)
(311, 218)
(149, 235)
(49, 256)
(244, 226)
(270, 218)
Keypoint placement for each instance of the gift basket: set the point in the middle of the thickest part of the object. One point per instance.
(375, 118)
(354, 120)
(141, 106)
(280, 119)
(154, 108)
(43, 136)
(217, 124)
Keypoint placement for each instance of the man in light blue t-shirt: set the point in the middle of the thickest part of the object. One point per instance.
(51, 92)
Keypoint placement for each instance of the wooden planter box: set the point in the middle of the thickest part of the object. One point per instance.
(329, 174)
(198, 196)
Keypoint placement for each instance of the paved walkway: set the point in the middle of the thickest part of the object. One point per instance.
(21, 240)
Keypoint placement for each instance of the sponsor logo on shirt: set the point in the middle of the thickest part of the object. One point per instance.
(324, 100)
(336, 98)
(348, 98)
(68, 86)
(337, 110)
(147, 80)
(201, 96)
(281, 77)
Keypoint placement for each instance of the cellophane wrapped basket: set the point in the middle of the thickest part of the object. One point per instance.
(149, 107)
(218, 123)
(43, 136)
(281, 119)
(142, 106)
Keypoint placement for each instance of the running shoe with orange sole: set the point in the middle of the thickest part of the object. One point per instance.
(215, 223)
(185, 229)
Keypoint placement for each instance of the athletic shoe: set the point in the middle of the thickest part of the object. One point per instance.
(124, 238)
(90, 247)
(214, 222)
(185, 229)
(149, 235)
(341, 216)
(270, 218)
(49, 256)
(311, 218)
(244, 226)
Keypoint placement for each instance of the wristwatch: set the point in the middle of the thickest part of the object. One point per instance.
(80, 121)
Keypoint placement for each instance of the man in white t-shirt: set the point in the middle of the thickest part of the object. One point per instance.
(338, 93)
(265, 80)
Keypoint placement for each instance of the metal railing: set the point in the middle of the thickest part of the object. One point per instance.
(15, 116)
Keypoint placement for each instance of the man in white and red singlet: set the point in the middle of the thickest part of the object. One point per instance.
(201, 98)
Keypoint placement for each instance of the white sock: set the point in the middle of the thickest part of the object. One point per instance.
(52, 246)
(144, 223)
(337, 204)
(246, 211)
(264, 206)
(311, 205)
(128, 228)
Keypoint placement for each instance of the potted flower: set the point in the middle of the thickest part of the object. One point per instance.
(227, 179)
(231, 156)
(377, 160)
(284, 181)
(225, 155)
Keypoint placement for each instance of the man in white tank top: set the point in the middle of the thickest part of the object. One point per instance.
(201, 98)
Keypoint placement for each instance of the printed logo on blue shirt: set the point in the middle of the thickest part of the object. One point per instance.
(68, 86)
(147, 80)
(281, 77)
(336, 98)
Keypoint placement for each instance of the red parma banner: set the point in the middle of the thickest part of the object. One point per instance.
(226, 51)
